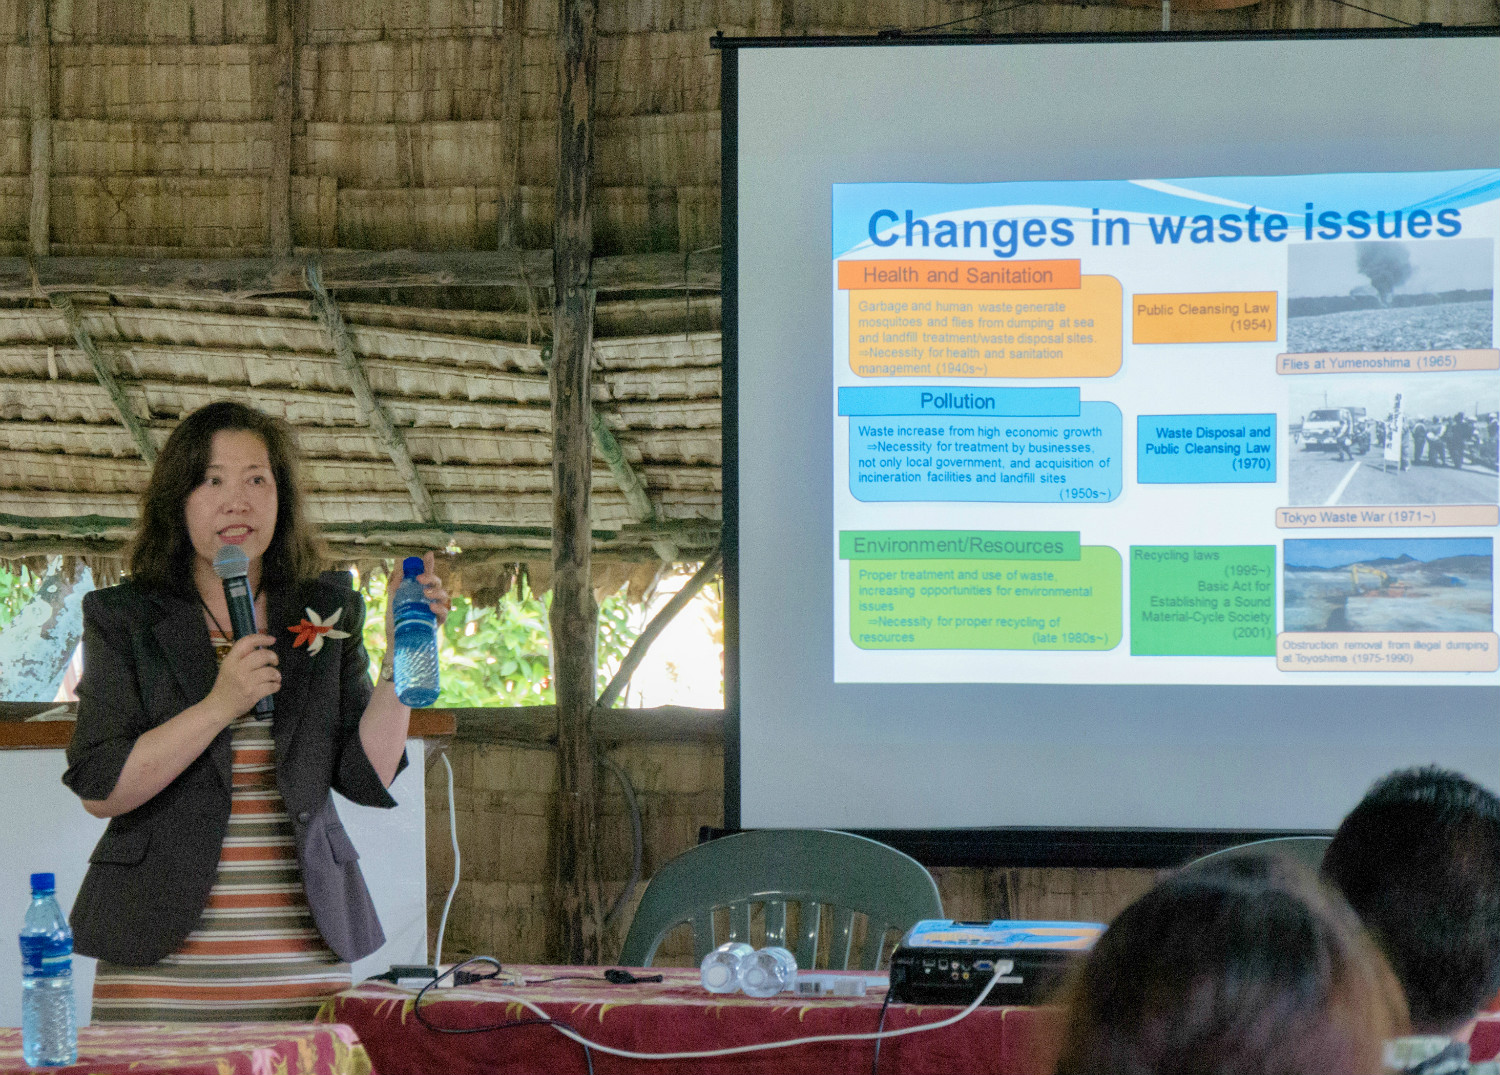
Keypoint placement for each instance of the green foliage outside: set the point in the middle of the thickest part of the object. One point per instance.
(17, 585)
(490, 656)
(500, 656)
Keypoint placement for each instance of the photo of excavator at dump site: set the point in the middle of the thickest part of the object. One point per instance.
(1388, 584)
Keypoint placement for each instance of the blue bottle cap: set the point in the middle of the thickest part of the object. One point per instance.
(43, 882)
(413, 566)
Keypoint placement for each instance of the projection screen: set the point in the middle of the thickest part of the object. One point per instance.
(1110, 427)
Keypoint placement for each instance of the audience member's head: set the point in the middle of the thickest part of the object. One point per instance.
(1419, 861)
(1246, 966)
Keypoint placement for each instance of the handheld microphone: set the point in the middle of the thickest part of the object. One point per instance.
(233, 568)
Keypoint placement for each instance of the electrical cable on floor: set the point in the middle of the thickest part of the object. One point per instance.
(513, 1024)
(736, 1050)
(885, 1006)
(567, 1031)
(437, 955)
(636, 857)
(635, 834)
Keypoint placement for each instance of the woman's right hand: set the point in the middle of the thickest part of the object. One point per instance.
(247, 674)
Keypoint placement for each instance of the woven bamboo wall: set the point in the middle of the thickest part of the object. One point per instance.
(505, 796)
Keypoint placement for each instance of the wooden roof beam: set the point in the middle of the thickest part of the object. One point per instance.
(629, 482)
(370, 408)
(284, 112)
(40, 224)
(697, 531)
(512, 42)
(64, 305)
(248, 278)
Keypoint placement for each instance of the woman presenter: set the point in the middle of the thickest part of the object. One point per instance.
(225, 887)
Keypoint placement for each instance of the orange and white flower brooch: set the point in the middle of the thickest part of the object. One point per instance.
(313, 629)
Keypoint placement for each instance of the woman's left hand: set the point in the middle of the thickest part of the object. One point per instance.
(432, 589)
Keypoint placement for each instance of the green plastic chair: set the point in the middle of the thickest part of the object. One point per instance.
(1307, 850)
(778, 867)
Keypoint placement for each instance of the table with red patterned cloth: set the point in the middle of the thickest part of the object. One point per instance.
(205, 1049)
(675, 1015)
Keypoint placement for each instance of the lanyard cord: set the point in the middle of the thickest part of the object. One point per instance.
(219, 626)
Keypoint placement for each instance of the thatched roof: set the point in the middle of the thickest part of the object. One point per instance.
(139, 130)
(472, 405)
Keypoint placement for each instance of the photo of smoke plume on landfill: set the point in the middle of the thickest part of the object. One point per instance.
(1390, 296)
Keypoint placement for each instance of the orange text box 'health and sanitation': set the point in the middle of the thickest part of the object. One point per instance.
(942, 275)
(1213, 317)
(916, 331)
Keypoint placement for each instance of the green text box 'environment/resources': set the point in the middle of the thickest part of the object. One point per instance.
(958, 545)
(1203, 600)
(950, 603)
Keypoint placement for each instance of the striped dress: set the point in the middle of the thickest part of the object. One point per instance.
(255, 954)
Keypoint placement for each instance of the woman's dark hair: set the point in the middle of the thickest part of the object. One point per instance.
(1246, 966)
(161, 553)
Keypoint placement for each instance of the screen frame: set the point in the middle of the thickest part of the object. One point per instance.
(1021, 846)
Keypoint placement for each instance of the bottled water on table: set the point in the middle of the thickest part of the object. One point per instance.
(416, 639)
(769, 971)
(720, 969)
(49, 1027)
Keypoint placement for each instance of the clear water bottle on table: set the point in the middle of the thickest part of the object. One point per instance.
(769, 971)
(720, 970)
(49, 1025)
(416, 648)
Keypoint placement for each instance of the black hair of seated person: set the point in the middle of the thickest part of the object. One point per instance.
(1419, 861)
(1248, 966)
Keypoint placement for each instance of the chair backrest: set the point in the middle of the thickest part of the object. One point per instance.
(776, 868)
(1308, 850)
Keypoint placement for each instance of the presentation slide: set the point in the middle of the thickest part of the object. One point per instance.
(1112, 428)
(1073, 443)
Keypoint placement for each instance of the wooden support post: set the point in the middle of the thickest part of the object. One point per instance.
(40, 33)
(658, 624)
(512, 123)
(106, 376)
(371, 408)
(284, 111)
(574, 617)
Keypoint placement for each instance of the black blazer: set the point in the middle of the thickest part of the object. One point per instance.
(146, 658)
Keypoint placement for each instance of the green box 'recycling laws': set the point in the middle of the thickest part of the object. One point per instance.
(1203, 600)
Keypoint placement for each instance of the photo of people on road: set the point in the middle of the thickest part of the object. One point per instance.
(1388, 584)
(1390, 296)
(1394, 439)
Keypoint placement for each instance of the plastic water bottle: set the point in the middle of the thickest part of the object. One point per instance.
(416, 639)
(769, 971)
(49, 1026)
(720, 969)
